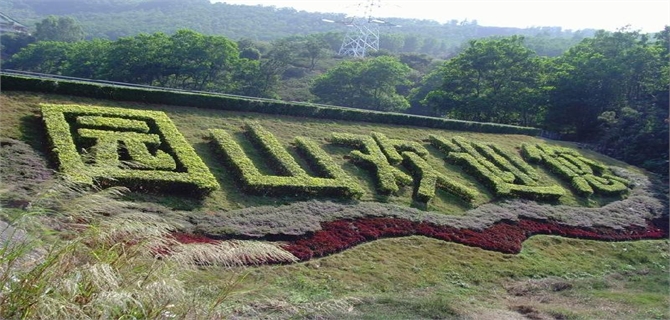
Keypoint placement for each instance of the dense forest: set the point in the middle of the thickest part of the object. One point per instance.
(607, 90)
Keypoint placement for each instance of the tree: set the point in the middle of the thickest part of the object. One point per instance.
(605, 73)
(261, 78)
(492, 80)
(43, 56)
(141, 59)
(417, 97)
(315, 48)
(64, 29)
(86, 59)
(249, 49)
(199, 62)
(612, 92)
(12, 43)
(365, 83)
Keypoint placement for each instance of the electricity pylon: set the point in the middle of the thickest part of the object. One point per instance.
(363, 30)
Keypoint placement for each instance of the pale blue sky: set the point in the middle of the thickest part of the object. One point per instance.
(645, 15)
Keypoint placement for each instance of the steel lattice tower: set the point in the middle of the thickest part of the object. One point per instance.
(363, 31)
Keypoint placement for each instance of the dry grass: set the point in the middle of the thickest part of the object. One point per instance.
(104, 264)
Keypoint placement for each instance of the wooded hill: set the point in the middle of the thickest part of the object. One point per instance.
(111, 19)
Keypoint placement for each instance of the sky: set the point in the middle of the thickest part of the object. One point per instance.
(643, 15)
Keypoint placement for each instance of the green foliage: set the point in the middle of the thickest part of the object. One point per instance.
(177, 166)
(295, 181)
(278, 157)
(505, 178)
(495, 80)
(12, 42)
(516, 161)
(63, 29)
(113, 123)
(393, 147)
(445, 145)
(22, 83)
(366, 84)
(42, 56)
(106, 147)
(324, 164)
(612, 91)
(368, 154)
(492, 155)
(578, 170)
(429, 179)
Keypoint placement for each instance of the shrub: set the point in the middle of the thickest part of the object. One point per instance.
(373, 158)
(298, 182)
(517, 161)
(393, 147)
(444, 144)
(578, 170)
(107, 154)
(504, 236)
(109, 123)
(483, 162)
(176, 166)
(247, 104)
(429, 179)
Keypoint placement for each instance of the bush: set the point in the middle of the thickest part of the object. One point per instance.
(578, 170)
(483, 162)
(429, 179)
(247, 104)
(297, 183)
(387, 176)
(175, 168)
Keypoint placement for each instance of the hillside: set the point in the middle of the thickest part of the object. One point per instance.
(451, 208)
(112, 19)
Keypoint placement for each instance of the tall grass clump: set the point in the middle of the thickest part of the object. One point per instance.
(96, 256)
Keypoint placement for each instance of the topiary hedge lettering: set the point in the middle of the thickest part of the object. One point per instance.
(586, 176)
(135, 148)
(500, 172)
(429, 179)
(295, 181)
(143, 150)
(369, 155)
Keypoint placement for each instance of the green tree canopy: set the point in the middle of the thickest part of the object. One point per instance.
(65, 29)
(364, 83)
(605, 73)
(492, 80)
(612, 91)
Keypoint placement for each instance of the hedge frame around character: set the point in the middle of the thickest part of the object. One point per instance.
(170, 149)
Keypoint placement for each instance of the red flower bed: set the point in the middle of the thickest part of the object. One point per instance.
(504, 236)
(187, 238)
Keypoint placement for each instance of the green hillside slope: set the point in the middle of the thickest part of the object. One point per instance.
(343, 183)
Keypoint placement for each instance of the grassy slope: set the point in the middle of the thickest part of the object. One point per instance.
(390, 277)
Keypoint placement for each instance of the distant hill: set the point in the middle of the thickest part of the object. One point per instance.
(112, 19)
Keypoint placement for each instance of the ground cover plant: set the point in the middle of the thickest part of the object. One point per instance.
(413, 273)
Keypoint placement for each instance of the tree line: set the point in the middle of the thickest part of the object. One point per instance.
(609, 91)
